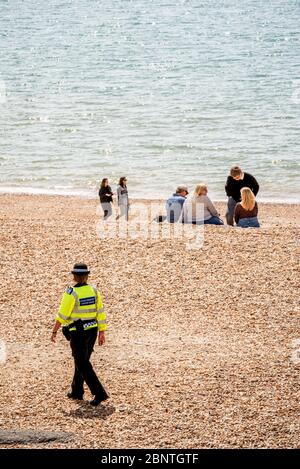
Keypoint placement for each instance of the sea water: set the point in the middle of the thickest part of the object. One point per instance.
(165, 92)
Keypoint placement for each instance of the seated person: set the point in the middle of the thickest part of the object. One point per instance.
(175, 203)
(199, 208)
(245, 212)
(235, 182)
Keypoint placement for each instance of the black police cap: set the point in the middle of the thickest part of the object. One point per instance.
(80, 268)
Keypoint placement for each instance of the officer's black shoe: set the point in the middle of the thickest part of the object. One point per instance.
(70, 395)
(97, 400)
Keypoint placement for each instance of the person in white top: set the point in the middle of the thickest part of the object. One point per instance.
(123, 201)
(199, 209)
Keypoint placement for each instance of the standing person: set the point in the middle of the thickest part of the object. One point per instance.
(106, 198)
(235, 182)
(175, 203)
(123, 200)
(245, 212)
(82, 314)
(199, 208)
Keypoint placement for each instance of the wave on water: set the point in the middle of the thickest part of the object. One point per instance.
(43, 191)
(93, 194)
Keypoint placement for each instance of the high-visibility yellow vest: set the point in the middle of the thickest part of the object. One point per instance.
(85, 303)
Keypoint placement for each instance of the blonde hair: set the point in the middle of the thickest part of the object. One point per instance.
(248, 198)
(199, 189)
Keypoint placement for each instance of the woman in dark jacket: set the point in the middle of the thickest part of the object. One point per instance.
(106, 198)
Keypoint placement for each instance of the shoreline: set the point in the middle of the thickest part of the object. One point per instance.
(48, 193)
(276, 215)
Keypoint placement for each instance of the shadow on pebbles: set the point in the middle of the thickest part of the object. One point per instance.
(11, 437)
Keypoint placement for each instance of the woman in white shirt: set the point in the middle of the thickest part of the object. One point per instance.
(123, 201)
(199, 208)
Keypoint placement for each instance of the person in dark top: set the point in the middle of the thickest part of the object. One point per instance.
(245, 212)
(175, 203)
(106, 198)
(235, 182)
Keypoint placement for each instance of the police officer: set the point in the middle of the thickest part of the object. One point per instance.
(82, 314)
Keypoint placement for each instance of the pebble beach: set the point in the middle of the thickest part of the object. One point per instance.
(202, 344)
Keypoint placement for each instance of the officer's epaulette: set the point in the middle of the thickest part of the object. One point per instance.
(69, 290)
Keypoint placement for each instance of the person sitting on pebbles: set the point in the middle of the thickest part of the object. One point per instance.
(199, 209)
(245, 212)
(175, 203)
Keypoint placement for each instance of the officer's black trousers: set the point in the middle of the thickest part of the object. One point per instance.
(82, 345)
